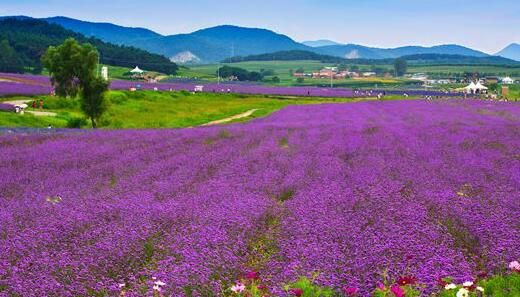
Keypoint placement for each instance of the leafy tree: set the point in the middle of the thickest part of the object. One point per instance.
(72, 67)
(276, 79)
(93, 102)
(240, 74)
(9, 59)
(300, 80)
(400, 67)
(255, 76)
(342, 67)
(299, 70)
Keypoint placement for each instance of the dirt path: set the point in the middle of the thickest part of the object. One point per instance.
(42, 113)
(232, 118)
(33, 112)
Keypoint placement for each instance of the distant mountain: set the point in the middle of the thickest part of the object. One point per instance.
(320, 43)
(31, 37)
(512, 51)
(218, 43)
(353, 51)
(105, 31)
(207, 45)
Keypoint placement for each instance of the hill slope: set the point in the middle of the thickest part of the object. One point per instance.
(354, 51)
(31, 38)
(424, 59)
(320, 43)
(296, 55)
(511, 52)
(105, 31)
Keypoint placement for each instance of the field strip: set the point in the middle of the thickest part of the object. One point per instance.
(231, 118)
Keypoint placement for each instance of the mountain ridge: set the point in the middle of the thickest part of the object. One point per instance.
(217, 43)
(511, 51)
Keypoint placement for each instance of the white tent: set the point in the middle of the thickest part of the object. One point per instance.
(137, 70)
(475, 88)
(507, 80)
(480, 87)
(471, 88)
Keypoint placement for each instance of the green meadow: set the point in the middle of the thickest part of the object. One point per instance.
(149, 109)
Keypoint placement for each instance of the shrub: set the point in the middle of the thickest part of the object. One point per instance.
(76, 123)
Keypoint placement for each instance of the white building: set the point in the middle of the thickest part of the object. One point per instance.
(104, 72)
(508, 80)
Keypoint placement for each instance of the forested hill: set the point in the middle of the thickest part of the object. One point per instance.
(294, 55)
(428, 59)
(24, 41)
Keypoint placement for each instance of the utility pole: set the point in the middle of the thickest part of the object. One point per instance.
(331, 77)
(98, 62)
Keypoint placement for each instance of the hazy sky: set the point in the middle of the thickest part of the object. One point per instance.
(488, 25)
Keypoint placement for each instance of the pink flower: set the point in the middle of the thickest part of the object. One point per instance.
(350, 291)
(407, 280)
(515, 266)
(380, 286)
(296, 292)
(397, 291)
(238, 287)
(252, 275)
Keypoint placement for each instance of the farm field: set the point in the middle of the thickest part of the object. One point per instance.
(282, 70)
(343, 194)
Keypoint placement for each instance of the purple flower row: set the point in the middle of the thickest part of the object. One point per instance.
(20, 84)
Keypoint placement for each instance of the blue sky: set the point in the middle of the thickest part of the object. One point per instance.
(485, 25)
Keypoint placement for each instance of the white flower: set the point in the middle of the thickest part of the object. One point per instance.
(238, 288)
(160, 283)
(121, 285)
(480, 289)
(514, 266)
(450, 286)
(467, 284)
(157, 288)
(463, 293)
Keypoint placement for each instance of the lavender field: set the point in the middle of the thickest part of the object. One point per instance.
(342, 191)
(22, 84)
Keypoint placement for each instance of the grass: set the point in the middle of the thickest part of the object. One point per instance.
(9, 119)
(149, 109)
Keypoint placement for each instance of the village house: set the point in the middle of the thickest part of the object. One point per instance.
(508, 80)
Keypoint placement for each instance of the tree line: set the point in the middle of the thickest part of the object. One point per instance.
(24, 41)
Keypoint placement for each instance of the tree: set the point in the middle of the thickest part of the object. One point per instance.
(93, 102)
(9, 59)
(300, 80)
(400, 67)
(255, 76)
(276, 79)
(72, 67)
(239, 73)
